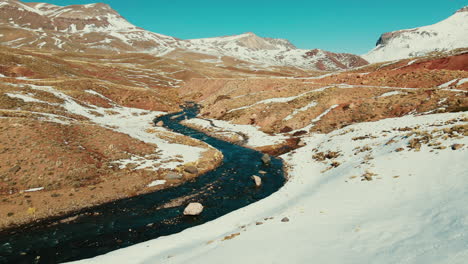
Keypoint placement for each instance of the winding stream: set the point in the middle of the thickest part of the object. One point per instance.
(125, 222)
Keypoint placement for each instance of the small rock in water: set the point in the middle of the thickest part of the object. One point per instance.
(160, 124)
(191, 169)
(457, 146)
(262, 172)
(285, 219)
(266, 159)
(173, 176)
(193, 209)
(258, 180)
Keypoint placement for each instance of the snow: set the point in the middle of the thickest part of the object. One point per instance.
(156, 183)
(391, 94)
(256, 138)
(302, 109)
(462, 81)
(280, 99)
(446, 35)
(414, 211)
(25, 97)
(35, 189)
(447, 84)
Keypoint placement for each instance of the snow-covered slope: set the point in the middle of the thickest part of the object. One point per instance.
(448, 34)
(99, 28)
(395, 192)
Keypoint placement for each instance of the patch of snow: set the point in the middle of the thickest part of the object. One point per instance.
(26, 98)
(256, 138)
(390, 94)
(447, 84)
(462, 81)
(35, 189)
(302, 109)
(156, 183)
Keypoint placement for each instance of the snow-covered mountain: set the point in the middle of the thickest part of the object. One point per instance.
(100, 29)
(74, 28)
(268, 51)
(451, 33)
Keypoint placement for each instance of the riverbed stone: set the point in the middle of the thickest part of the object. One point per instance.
(193, 209)
(257, 180)
(173, 176)
(160, 124)
(266, 159)
(191, 169)
(457, 146)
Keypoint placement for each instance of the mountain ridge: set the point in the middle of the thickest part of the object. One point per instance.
(97, 28)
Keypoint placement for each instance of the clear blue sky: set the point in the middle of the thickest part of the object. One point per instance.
(340, 26)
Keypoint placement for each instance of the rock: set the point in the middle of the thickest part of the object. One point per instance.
(15, 169)
(457, 146)
(160, 124)
(193, 209)
(266, 159)
(262, 172)
(258, 180)
(173, 176)
(259, 223)
(299, 133)
(301, 143)
(191, 169)
(286, 129)
(285, 219)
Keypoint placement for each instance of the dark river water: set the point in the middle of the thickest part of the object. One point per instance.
(125, 222)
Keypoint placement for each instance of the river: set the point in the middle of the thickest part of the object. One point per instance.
(126, 222)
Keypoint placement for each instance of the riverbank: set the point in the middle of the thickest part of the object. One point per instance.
(128, 221)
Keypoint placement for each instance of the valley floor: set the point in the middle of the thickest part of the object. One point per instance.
(391, 191)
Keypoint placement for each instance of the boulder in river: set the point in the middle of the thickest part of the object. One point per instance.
(160, 124)
(193, 209)
(191, 169)
(266, 159)
(257, 180)
(173, 176)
